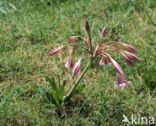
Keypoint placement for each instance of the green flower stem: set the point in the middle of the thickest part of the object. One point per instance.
(69, 95)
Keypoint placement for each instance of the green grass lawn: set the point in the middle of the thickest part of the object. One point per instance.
(29, 29)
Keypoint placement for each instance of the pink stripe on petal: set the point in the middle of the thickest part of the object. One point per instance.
(101, 61)
(121, 82)
(132, 56)
(55, 51)
(127, 60)
(103, 31)
(70, 63)
(76, 67)
(116, 66)
(129, 48)
(104, 61)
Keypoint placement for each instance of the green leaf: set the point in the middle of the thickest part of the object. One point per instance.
(62, 90)
(63, 86)
(41, 90)
(52, 82)
(55, 97)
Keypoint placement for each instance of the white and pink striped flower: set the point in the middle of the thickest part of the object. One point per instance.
(129, 48)
(76, 67)
(103, 31)
(127, 59)
(121, 82)
(103, 50)
(104, 61)
(70, 63)
(131, 56)
(116, 66)
(55, 51)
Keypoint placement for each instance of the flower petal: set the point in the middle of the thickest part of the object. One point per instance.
(127, 60)
(132, 56)
(121, 82)
(103, 31)
(116, 66)
(118, 79)
(76, 67)
(55, 51)
(129, 48)
(70, 63)
(104, 61)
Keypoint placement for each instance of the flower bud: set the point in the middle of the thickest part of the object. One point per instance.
(127, 60)
(129, 48)
(132, 56)
(103, 31)
(72, 38)
(87, 26)
(76, 67)
(116, 66)
(55, 51)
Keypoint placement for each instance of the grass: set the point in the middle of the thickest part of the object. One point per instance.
(30, 29)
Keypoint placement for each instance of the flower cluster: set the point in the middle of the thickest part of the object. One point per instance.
(101, 50)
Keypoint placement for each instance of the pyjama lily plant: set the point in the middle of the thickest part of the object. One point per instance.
(102, 50)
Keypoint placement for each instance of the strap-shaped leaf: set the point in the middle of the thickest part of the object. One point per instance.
(62, 89)
(63, 86)
(42, 90)
(52, 82)
(55, 97)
